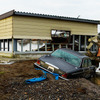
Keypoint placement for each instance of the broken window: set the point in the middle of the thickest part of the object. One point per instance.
(59, 36)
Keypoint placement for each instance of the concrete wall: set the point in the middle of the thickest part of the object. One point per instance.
(6, 54)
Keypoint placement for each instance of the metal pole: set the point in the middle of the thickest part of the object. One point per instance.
(22, 45)
(46, 46)
(30, 44)
(38, 44)
(73, 41)
(3, 45)
(79, 43)
(14, 45)
(85, 42)
(8, 44)
(52, 47)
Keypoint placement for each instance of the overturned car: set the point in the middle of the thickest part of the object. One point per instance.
(67, 63)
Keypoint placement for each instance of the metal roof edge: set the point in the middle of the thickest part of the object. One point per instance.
(57, 17)
(13, 12)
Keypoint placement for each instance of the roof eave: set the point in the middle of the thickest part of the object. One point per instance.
(8, 14)
(57, 17)
(13, 12)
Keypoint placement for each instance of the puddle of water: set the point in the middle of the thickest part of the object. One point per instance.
(96, 80)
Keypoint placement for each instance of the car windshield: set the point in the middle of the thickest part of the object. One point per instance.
(69, 58)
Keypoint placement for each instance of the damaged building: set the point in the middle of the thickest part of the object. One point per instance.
(23, 34)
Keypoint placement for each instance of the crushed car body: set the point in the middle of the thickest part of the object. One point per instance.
(67, 63)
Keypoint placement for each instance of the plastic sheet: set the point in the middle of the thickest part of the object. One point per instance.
(43, 77)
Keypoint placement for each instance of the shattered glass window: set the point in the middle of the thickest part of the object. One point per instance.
(86, 63)
(89, 62)
(69, 58)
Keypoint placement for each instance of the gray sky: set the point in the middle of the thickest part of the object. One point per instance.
(87, 9)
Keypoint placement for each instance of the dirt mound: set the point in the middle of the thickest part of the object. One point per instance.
(13, 87)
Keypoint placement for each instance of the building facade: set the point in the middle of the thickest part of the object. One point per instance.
(29, 33)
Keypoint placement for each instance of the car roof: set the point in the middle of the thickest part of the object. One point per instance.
(76, 53)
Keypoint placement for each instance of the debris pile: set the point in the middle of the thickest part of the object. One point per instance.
(12, 86)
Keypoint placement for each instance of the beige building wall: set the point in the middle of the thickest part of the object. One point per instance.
(40, 28)
(6, 28)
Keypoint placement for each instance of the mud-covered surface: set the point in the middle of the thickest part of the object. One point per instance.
(12, 86)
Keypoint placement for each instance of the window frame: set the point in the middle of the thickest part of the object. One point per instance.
(87, 62)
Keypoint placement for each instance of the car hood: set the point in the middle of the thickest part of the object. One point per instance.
(60, 63)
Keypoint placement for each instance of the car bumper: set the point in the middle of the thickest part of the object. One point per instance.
(38, 66)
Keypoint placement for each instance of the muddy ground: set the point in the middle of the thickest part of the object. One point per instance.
(13, 87)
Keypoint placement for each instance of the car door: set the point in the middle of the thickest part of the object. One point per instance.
(86, 67)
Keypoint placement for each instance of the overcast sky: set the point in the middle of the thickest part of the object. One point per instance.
(87, 9)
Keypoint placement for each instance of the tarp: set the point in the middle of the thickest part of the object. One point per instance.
(43, 77)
